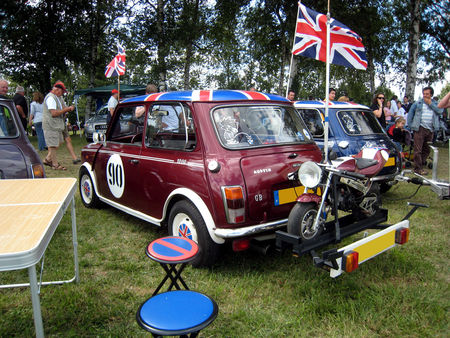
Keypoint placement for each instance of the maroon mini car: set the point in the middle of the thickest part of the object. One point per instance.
(211, 165)
(18, 157)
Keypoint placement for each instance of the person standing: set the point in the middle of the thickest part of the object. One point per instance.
(21, 105)
(3, 89)
(112, 103)
(291, 95)
(423, 119)
(331, 94)
(394, 108)
(36, 118)
(377, 108)
(406, 104)
(53, 123)
(388, 112)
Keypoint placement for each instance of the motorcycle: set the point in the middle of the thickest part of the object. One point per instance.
(346, 183)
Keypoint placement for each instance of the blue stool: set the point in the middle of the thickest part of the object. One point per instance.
(170, 252)
(177, 313)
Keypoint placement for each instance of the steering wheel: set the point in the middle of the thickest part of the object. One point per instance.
(135, 137)
(248, 138)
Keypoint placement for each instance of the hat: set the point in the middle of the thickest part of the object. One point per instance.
(19, 89)
(60, 85)
(114, 91)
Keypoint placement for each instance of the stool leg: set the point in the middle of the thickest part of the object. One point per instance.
(178, 276)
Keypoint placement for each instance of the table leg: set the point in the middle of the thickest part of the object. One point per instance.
(75, 241)
(36, 303)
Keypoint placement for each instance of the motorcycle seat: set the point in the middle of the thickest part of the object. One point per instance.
(363, 163)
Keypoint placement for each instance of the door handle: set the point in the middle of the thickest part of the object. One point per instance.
(133, 161)
(293, 155)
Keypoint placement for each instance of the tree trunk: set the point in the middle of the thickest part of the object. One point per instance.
(189, 48)
(413, 49)
(162, 49)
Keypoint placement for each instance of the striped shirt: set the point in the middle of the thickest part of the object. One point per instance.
(426, 120)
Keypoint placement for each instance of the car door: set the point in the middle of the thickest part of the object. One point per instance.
(169, 156)
(118, 161)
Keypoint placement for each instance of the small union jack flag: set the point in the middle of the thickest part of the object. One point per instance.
(346, 48)
(117, 66)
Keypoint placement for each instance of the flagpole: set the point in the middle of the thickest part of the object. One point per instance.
(292, 50)
(118, 87)
(327, 86)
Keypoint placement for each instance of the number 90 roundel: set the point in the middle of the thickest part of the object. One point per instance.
(115, 175)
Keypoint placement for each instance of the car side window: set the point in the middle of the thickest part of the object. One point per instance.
(7, 125)
(128, 126)
(313, 121)
(170, 126)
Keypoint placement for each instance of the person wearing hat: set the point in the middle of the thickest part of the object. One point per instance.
(112, 103)
(21, 105)
(53, 123)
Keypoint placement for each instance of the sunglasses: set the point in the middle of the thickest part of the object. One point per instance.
(381, 98)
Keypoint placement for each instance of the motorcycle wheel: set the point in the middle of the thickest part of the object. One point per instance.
(301, 221)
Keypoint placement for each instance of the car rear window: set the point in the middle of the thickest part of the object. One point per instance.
(241, 127)
(359, 122)
(7, 126)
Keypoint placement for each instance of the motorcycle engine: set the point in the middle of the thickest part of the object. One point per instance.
(346, 200)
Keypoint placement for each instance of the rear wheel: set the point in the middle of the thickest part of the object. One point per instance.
(186, 221)
(87, 191)
(301, 221)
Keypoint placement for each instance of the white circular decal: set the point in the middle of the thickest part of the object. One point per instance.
(115, 175)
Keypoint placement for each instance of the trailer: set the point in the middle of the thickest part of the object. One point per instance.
(348, 258)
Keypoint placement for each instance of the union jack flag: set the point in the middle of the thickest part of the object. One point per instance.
(346, 48)
(117, 66)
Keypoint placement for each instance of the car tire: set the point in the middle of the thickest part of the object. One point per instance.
(87, 190)
(186, 221)
(300, 220)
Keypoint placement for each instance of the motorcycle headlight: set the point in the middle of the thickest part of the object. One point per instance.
(309, 174)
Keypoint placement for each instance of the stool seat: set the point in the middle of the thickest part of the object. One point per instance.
(177, 313)
(172, 249)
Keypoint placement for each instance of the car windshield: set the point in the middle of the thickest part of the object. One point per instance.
(252, 126)
(359, 122)
(7, 126)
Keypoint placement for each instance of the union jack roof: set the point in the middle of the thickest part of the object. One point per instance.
(332, 104)
(208, 96)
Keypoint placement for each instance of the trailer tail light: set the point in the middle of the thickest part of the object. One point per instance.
(402, 235)
(233, 198)
(241, 244)
(350, 261)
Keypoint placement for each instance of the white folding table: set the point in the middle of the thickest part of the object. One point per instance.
(30, 212)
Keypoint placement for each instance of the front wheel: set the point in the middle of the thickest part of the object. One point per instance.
(186, 221)
(301, 221)
(87, 191)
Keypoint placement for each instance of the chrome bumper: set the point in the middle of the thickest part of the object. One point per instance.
(250, 230)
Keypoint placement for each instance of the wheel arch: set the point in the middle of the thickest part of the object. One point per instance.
(190, 195)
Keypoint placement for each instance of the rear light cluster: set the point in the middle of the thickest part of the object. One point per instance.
(38, 171)
(402, 236)
(350, 261)
(233, 199)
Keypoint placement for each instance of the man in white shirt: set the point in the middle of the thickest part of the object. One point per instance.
(112, 103)
(53, 124)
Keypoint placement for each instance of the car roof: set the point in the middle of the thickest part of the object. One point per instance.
(332, 104)
(208, 96)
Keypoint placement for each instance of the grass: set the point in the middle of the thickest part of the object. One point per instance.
(403, 292)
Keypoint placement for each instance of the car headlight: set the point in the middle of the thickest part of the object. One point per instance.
(309, 174)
